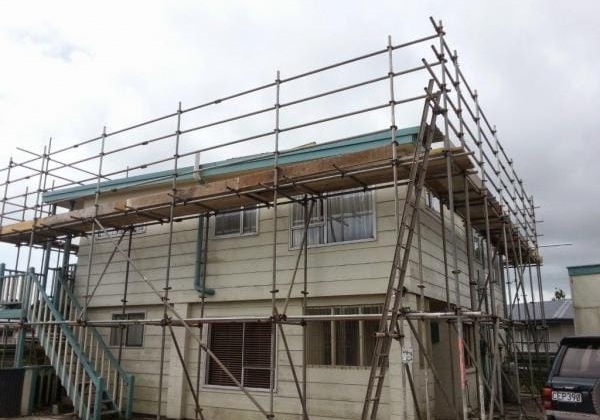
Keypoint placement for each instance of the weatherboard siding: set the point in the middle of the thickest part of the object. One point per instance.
(333, 392)
(143, 362)
(239, 269)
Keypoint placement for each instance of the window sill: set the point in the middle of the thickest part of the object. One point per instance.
(357, 241)
(234, 389)
(341, 367)
(235, 235)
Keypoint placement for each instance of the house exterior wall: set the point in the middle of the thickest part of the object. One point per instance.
(239, 269)
(584, 281)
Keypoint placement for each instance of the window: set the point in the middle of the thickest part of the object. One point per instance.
(432, 201)
(245, 349)
(6, 333)
(241, 222)
(479, 247)
(131, 335)
(342, 343)
(468, 345)
(339, 218)
(581, 360)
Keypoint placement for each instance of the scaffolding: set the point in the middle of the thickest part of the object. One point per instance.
(471, 175)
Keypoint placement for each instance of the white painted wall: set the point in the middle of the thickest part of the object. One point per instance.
(239, 269)
(586, 303)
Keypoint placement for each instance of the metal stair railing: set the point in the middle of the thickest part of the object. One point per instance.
(12, 285)
(89, 372)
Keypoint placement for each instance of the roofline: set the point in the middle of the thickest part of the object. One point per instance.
(583, 270)
(236, 165)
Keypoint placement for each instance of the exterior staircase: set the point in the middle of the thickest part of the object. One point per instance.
(93, 379)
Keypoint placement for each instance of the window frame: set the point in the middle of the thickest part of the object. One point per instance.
(241, 211)
(116, 329)
(365, 359)
(469, 344)
(432, 202)
(323, 220)
(207, 360)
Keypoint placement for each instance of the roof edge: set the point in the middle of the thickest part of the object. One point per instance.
(583, 270)
(234, 166)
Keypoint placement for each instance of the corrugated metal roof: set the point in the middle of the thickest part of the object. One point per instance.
(240, 164)
(555, 310)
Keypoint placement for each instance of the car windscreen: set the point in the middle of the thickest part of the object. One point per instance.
(581, 360)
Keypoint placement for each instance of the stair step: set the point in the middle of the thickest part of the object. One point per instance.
(109, 412)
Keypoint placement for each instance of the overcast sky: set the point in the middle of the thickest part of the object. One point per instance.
(69, 68)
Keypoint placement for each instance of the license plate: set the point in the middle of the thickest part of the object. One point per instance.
(564, 396)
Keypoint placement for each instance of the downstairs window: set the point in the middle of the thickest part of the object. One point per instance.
(245, 350)
(342, 343)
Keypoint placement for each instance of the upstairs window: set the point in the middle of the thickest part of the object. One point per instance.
(479, 247)
(245, 350)
(241, 222)
(431, 201)
(334, 219)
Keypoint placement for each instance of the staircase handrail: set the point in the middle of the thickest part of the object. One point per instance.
(73, 342)
(127, 377)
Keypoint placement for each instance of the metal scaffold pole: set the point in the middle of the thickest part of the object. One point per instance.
(475, 277)
(167, 287)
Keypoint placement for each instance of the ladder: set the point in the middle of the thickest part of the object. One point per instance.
(388, 326)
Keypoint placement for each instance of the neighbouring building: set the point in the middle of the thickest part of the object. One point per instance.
(584, 281)
(555, 315)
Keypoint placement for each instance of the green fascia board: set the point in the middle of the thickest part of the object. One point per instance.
(115, 185)
(583, 270)
(303, 154)
(241, 164)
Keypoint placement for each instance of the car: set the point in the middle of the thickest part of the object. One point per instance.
(572, 391)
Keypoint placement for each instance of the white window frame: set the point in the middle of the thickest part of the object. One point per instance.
(364, 363)
(322, 222)
(115, 328)
(240, 212)
(432, 202)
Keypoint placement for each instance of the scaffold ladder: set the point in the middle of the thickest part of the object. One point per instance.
(388, 327)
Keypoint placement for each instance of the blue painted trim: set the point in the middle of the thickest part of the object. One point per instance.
(12, 313)
(2, 270)
(74, 343)
(583, 270)
(95, 332)
(199, 251)
(82, 357)
(242, 164)
(20, 346)
(129, 402)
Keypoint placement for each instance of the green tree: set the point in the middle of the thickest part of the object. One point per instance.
(559, 294)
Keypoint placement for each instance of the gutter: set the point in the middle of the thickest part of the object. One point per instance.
(200, 271)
